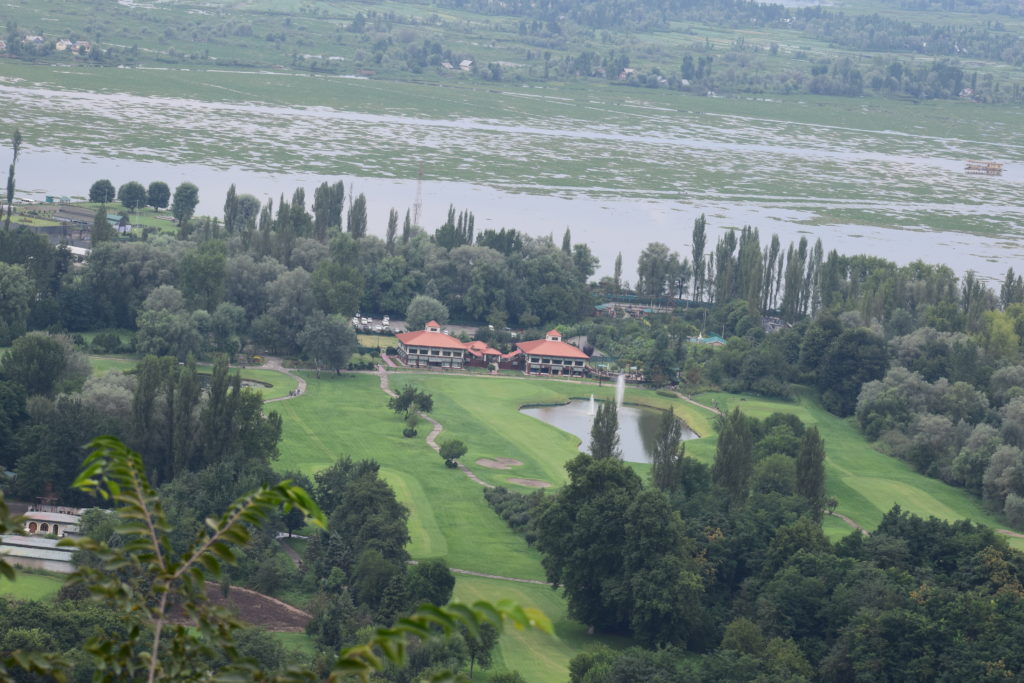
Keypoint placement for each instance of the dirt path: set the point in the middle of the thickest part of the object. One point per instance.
(385, 386)
(466, 572)
(852, 523)
(291, 552)
(275, 364)
(1007, 532)
(686, 398)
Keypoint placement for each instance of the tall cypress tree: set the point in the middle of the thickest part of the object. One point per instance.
(666, 459)
(734, 460)
(810, 469)
(604, 433)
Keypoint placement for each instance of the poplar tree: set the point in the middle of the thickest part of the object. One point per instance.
(357, 217)
(392, 229)
(734, 461)
(604, 433)
(407, 227)
(810, 470)
(698, 241)
(666, 459)
(618, 273)
(16, 146)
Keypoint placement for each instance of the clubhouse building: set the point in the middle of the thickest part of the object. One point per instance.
(552, 356)
(431, 348)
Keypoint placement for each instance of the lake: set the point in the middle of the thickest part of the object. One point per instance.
(638, 426)
(604, 165)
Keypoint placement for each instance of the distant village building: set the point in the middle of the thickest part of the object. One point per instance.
(81, 47)
(3, 46)
(47, 519)
(552, 356)
(62, 44)
(34, 40)
(466, 64)
(710, 340)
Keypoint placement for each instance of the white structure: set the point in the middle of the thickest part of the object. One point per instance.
(52, 520)
(35, 552)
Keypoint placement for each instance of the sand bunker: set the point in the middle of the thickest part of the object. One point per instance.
(532, 483)
(498, 463)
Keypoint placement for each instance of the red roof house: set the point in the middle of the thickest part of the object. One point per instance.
(552, 356)
(431, 348)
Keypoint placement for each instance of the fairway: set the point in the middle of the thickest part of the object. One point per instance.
(348, 415)
(866, 482)
(537, 656)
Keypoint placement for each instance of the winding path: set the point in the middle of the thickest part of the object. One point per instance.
(276, 364)
(432, 436)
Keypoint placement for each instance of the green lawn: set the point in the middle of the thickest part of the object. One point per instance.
(449, 517)
(377, 340)
(536, 655)
(31, 586)
(866, 482)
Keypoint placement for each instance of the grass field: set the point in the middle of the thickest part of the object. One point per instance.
(866, 482)
(382, 341)
(31, 586)
(537, 656)
(449, 517)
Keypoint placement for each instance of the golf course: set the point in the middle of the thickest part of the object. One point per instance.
(347, 415)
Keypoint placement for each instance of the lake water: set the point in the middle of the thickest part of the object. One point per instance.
(638, 427)
(618, 174)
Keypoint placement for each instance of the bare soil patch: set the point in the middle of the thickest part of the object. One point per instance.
(499, 463)
(260, 610)
(532, 483)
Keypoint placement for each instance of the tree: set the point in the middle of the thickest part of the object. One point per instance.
(102, 191)
(431, 581)
(132, 195)
(411, 397)
(356, 225)
(604, 432)
(392, 232)
(16, 147)
(328, 340)
(422, 309)
(186, 198)
(158, 195)
(481, 646)
(451, 451)
(102, 230)
(45, 364)
(667, 457)
(16, 295)
(810, 470)
(734, 462)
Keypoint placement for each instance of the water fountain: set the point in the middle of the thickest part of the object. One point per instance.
(620, 391)
(591, 410)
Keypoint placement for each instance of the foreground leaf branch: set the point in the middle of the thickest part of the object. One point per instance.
(142, 579)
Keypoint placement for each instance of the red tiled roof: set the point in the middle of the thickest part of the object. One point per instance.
(436, 340)
(432, 323)
(479, 348)
(557, 349)
(553, 333)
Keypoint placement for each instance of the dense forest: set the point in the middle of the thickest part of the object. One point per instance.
(731, 562)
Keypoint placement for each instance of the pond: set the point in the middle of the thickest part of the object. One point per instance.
(638, 427)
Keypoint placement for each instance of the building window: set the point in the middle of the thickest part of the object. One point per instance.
(44, 527)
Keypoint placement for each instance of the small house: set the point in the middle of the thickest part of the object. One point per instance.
(81, 47)
(62, 45)
(466, 64)
(45, 519)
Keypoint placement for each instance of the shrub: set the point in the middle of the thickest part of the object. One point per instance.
(408, 432)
